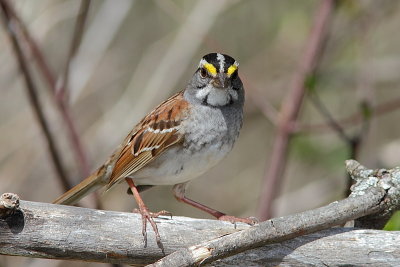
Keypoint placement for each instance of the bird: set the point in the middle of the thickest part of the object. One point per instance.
(179, 140)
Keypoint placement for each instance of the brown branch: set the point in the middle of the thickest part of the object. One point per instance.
(50, 79)
(9, 24)
(291, 107)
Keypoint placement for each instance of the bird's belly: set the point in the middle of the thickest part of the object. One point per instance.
(178, 165)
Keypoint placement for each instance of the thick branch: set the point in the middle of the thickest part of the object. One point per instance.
(374, 197)
(333, 247)
(63, 232)
(277, 230)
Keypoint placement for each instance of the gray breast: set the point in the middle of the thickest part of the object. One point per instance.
(212, 127)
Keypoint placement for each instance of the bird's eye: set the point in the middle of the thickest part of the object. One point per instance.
(203, 72)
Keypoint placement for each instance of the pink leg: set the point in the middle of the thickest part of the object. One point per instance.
(179, 193)
(146, 215)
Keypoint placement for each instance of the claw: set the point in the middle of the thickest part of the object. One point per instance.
(148, 216)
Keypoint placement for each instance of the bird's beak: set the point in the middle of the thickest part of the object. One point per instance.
(221, 81)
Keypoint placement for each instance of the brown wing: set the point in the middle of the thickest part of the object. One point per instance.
(151, 136)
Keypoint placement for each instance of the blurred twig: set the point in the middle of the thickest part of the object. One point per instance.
(76, 40)
(291, 107)
(58, 94)
(60, 90)
(352, 120)
(353, 142)
(10, 26)
(49, 77)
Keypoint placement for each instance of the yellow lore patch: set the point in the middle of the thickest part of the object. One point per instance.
(231, 70)
(210, 68)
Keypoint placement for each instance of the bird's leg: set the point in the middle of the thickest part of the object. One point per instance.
(146, 215)
(179, 193)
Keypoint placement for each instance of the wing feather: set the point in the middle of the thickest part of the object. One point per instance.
(153, 135)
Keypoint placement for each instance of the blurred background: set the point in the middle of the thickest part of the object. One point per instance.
(134, 54)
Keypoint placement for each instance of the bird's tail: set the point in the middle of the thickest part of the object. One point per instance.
(87, 186)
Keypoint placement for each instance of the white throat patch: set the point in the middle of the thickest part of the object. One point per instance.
(217, 97)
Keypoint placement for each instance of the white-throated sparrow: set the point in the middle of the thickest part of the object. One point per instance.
(179, 140)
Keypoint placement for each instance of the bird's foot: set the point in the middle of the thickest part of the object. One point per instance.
(148, 216)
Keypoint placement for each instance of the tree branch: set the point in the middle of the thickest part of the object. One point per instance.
(376, 195)
(65, 232)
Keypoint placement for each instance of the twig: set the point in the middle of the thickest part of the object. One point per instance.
(352, 120)
(76, 39)
(61, 87)
(33, 96)
(291, 107)
(319, 105)
(40, 60)
(49, 76)
(353, 142)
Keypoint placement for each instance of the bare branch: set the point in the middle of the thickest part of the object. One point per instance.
(64, 232)
(389, 180)
(376, 195)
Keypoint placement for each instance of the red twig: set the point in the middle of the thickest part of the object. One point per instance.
(291, 107)
(49, 76)
(33, 96)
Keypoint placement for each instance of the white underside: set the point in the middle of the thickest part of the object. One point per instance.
(180, 167)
